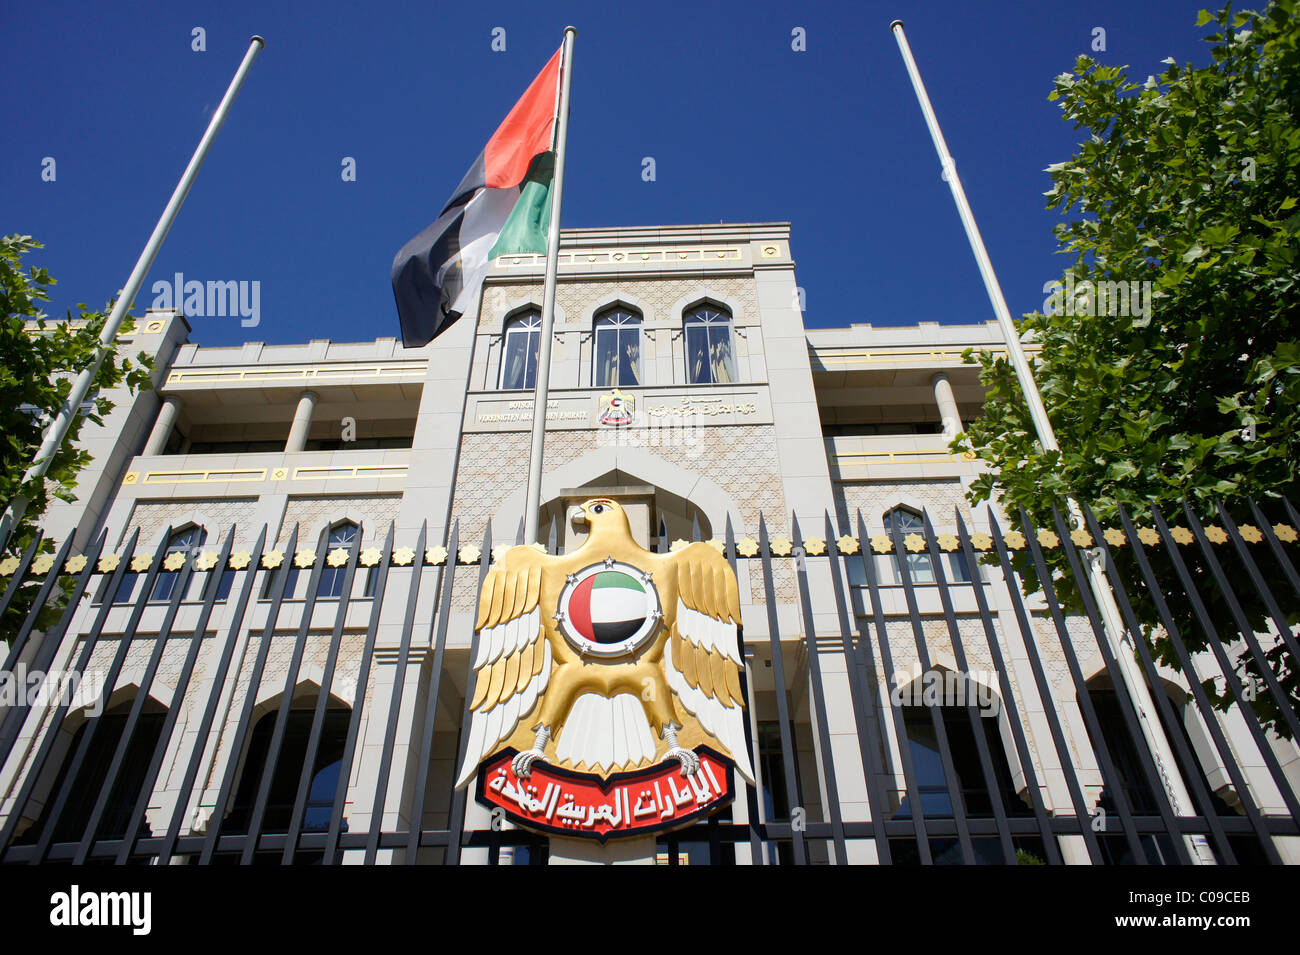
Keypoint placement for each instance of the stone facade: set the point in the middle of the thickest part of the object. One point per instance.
(814, 421)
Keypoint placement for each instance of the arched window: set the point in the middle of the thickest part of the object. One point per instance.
(708, 346)
(519, 351)
(183, 542)
(920, 566)
(616, 353)
(935, 788)
(286, 775)
(92, 775)
(342, 535)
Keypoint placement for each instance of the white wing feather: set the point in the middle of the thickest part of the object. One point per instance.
(727, 723)
(489, 727)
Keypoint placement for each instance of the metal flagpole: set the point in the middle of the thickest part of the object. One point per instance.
(533, 503)
(57, 431)
(1116, 634)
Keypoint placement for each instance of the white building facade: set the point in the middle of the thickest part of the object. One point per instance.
(685, 385)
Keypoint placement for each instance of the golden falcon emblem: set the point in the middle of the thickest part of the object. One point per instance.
(609, 659)
(617, 408)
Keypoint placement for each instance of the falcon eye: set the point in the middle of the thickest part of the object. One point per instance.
(598, 509)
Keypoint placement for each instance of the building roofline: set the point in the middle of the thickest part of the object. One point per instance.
(678, 232)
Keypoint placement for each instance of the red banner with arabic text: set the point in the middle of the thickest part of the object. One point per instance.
(627, 804)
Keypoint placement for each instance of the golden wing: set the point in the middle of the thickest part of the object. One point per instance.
(702, 656)
(513, 661)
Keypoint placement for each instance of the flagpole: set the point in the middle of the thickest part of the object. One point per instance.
(58, 431)
(1115, 632)
(533, 503)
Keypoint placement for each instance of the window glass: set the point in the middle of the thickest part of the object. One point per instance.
(617, 351)
(921, 566)
(708, 346)
(92, 775)
(182, 542)
(519, 352)
(331, 578)
(286, 775)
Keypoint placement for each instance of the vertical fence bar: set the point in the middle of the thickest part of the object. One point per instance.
(110, 684)
(1225, 665)
(1286, 706)
(864, 716)
(1276, 547)
(936, 712)
(44, 656)
(178, 701)
(278, 584)
(1203, 704)
(1023, 753)
(294, 830)
(1110, 775)
(1128, 710)
(55, 722)
(430, 711)
(494, 834)
(423, 765)
(16, 713)
(788, 753)
(1152, 675)
(919, 830)
(1083, 812)
(456, 818)
(214, 697)
(972, 714)
(394, 708)
(38, 604)
(819, 697)
(756, 854)
(24, 562)
(272, 763)
(179, 586)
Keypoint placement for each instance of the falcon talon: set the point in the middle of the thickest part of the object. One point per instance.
(522, 764)
(690, 762)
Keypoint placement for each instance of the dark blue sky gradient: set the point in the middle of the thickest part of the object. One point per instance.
(742, 129)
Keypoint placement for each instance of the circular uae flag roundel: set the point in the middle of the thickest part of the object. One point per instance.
(608, 609)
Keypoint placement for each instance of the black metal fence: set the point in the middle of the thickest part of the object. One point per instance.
(851, 766)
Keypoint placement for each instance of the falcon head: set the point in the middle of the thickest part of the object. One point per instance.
(603, 518)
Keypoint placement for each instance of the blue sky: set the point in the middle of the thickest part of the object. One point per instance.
(742, 129)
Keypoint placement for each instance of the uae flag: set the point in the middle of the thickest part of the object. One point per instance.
(608, 607)
(502, 206)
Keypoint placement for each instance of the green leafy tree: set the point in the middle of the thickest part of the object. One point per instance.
(39, 361)
(1189, 182)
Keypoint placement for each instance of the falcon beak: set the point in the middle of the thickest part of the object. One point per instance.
(579, 517)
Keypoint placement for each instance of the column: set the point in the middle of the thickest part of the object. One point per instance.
(301, 422)
(162, 426)
(947, 405)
